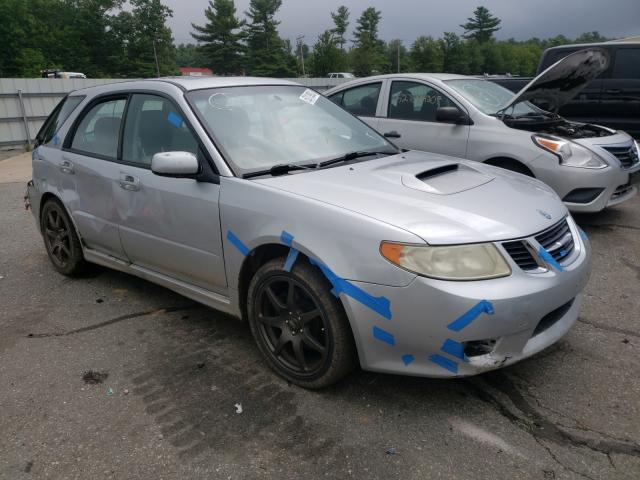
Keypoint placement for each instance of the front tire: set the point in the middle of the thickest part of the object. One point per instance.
(60, 239)
(299, 326)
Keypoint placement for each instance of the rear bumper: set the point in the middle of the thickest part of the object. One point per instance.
(516, 316)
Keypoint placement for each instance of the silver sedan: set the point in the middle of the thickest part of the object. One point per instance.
(267, 201)
(589, 166)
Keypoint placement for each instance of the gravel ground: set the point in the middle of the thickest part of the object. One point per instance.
(109, 376)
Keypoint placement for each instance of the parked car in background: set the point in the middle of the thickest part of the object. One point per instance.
(263, 199)
(611, 99)
(590, 167)
(340, 75)
(59, 74)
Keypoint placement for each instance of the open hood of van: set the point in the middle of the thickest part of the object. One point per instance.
(563, 80)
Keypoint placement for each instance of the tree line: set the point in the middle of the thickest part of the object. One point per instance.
(101, 39)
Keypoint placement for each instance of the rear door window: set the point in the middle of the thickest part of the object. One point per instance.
(99, 130)
(57, 118)
(362, 100)
(154, 125)
(627, 64)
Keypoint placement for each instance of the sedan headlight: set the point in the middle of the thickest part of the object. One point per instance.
(569, 153)
(457, 262)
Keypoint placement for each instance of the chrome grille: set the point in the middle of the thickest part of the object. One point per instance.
(628, 156)
(557, 240)
(521, 255)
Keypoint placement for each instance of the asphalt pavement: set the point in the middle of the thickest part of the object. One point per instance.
(109, 376)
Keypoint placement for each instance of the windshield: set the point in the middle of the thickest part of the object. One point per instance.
(490, 98)
(262, 126)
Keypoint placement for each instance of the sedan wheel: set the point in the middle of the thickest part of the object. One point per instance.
(299, 326)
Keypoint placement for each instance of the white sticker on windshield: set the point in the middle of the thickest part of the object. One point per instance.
(309, 96)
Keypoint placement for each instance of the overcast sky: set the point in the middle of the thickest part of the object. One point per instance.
(408, 19)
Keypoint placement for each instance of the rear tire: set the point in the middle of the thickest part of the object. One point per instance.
(60, 239)
(299, 326)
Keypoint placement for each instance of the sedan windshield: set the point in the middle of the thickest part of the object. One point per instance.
(259, 127)
(491, 98)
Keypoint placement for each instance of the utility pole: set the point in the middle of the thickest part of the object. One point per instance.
(398, 57)
(299, 39)
(155, 55)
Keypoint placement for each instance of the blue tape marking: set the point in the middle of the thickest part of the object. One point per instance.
(583, 235)
(407, 359)
(291, 259)
(34, 154)
(547, 257)
(56, 139)
(380, 305)
(455, 349)
(383, 336)
(174, 119)
(244, 250)
(444, 362)
(483, 306)
(563, 253)
(286, 238)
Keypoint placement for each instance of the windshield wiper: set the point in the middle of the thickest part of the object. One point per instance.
(352, 156)
(279, 169)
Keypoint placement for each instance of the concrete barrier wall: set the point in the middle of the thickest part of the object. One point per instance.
(25, 103)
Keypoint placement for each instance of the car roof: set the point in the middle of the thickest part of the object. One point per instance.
(438, 77)
(185, 83)
(611, 43)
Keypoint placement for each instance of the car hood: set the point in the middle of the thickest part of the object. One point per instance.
(563, 80)
(443, 200)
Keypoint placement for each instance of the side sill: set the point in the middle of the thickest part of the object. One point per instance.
(200, 295)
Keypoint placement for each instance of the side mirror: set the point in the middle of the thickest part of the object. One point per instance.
(175, 164)
(452, 115)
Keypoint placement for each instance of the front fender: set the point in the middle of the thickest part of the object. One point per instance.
(253, 214)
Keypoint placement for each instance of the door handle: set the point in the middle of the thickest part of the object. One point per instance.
(613, 90)
(129, 182)
(66, 166)
(392, 134)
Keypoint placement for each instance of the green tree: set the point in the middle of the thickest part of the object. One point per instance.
(397, 57)
(454, 54)
(188, 55)
(341, 20)
(221, 37)
(267, 53)
(426, 55)
(145, 37)
(591, 37)
(481, 26)
(327, 56)
(367, 55)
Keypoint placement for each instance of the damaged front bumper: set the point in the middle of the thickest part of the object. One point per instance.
(450, 329)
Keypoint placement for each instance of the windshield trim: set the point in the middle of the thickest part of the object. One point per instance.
(239, 172)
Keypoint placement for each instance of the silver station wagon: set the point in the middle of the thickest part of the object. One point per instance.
(267, 201)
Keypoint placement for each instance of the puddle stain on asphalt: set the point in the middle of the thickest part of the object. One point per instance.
(92, 377)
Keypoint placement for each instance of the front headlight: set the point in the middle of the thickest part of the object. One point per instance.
(457, 262)
(569, 153)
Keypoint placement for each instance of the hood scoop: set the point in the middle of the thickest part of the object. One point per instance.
(446, 179)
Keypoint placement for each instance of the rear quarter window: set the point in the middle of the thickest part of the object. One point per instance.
(627, 64)
(55, 120)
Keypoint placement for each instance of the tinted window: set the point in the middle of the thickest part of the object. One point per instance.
(154, 125)
(627, 63)
(57, 118)
(416, 101)
(99, 129)
(362, 100)
(336, 98)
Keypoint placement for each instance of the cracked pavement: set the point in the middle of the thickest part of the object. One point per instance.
(109, 376)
